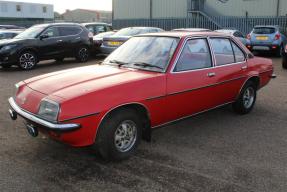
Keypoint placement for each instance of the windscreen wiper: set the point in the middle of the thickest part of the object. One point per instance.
(142, 64)
(120, 63)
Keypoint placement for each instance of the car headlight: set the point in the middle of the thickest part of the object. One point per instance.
(8, 47)
(49, 110)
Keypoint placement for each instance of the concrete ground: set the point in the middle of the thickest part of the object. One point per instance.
(215, 151)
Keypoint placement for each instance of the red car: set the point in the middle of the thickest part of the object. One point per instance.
(150, 81)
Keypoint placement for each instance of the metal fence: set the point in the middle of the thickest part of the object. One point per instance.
(243, 24)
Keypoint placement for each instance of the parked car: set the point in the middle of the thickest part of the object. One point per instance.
(169, 77)
(9, 34)
(192, 30)
(112, 43)
(97, 28)
(46, 41)
(11, 27)
(267, 38)
(284, 56)
(98, 40)
(235, 33)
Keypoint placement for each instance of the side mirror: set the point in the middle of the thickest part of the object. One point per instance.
(44, 36)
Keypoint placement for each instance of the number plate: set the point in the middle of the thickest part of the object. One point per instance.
(114, 43)
(262, 38)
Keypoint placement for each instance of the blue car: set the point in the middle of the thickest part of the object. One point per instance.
(267, 38)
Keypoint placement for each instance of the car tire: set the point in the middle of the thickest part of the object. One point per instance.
(246, 100)
(119, 135)
(280, 50)
(60, 59)
(284, 62)
(27, 60)
(83, 54)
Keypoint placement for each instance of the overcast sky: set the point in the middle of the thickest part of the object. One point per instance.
(62, 5)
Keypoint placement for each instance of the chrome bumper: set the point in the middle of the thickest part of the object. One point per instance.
(16, 110)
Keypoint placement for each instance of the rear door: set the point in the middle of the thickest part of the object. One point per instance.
(190, 82)
(230, 69)
(71, 39)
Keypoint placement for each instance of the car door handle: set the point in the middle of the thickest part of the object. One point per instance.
(211, 74)
(244, 67)
(60, 41)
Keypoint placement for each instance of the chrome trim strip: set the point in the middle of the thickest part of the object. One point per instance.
(186, 117)
(37, 120)
(79, 117)
(194, 89)
(156, 97)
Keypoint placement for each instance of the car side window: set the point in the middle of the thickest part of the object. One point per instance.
(100, 29)
(195, 55)
(223, 51)
(238, 34)
(91, 29)
(51, 32)
(239, 54)
(66, 31)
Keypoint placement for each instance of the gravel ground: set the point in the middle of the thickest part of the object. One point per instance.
(215, 151)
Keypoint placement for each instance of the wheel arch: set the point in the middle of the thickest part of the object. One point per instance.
(255, 79)
(31, 49)
(141, 109)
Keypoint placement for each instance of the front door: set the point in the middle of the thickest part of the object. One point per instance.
(52, 45)
(191, 80)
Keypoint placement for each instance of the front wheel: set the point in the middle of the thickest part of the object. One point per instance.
(119, 135)
(27, 60)
(83, 54)
(246, 100)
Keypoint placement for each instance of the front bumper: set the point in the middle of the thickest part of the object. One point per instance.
(16, 110)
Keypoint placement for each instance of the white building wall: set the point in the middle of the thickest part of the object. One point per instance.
(8, 9)
(169, 8)
(131, 9)
(241, 7)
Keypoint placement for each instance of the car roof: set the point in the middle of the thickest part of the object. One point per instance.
(10, 31)
(183, 34)
(226, 30)
(191, 29)
(58, 24)
(95, 23)
(141, 28)
(272, 26)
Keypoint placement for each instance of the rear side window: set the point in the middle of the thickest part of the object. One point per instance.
(223, 51)
(66, 31)
(238, 53)
(264, 30)
(195, 55)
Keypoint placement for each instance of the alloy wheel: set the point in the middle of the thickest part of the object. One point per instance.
(248, 97)
(125, 136)
(27, 61)
(83, 54)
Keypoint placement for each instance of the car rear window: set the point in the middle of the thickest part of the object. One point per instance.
(264, 30)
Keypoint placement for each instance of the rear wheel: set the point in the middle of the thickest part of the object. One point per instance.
(280, 50)
(27, 60)
(83, 54)
(119, 135)
(246, 100)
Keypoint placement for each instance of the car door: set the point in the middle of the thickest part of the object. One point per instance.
(71, 40)
(51, 45)
(229, 71)
(191, 80)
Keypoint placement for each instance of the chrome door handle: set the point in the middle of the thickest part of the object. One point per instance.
(211, 74)
(244, 67)
(60, 41)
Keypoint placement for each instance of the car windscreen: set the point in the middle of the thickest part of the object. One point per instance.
(147, 53)
(129, 32)
(32, 32)
(264, 30)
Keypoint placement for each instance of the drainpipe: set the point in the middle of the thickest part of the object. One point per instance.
(278, 8)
